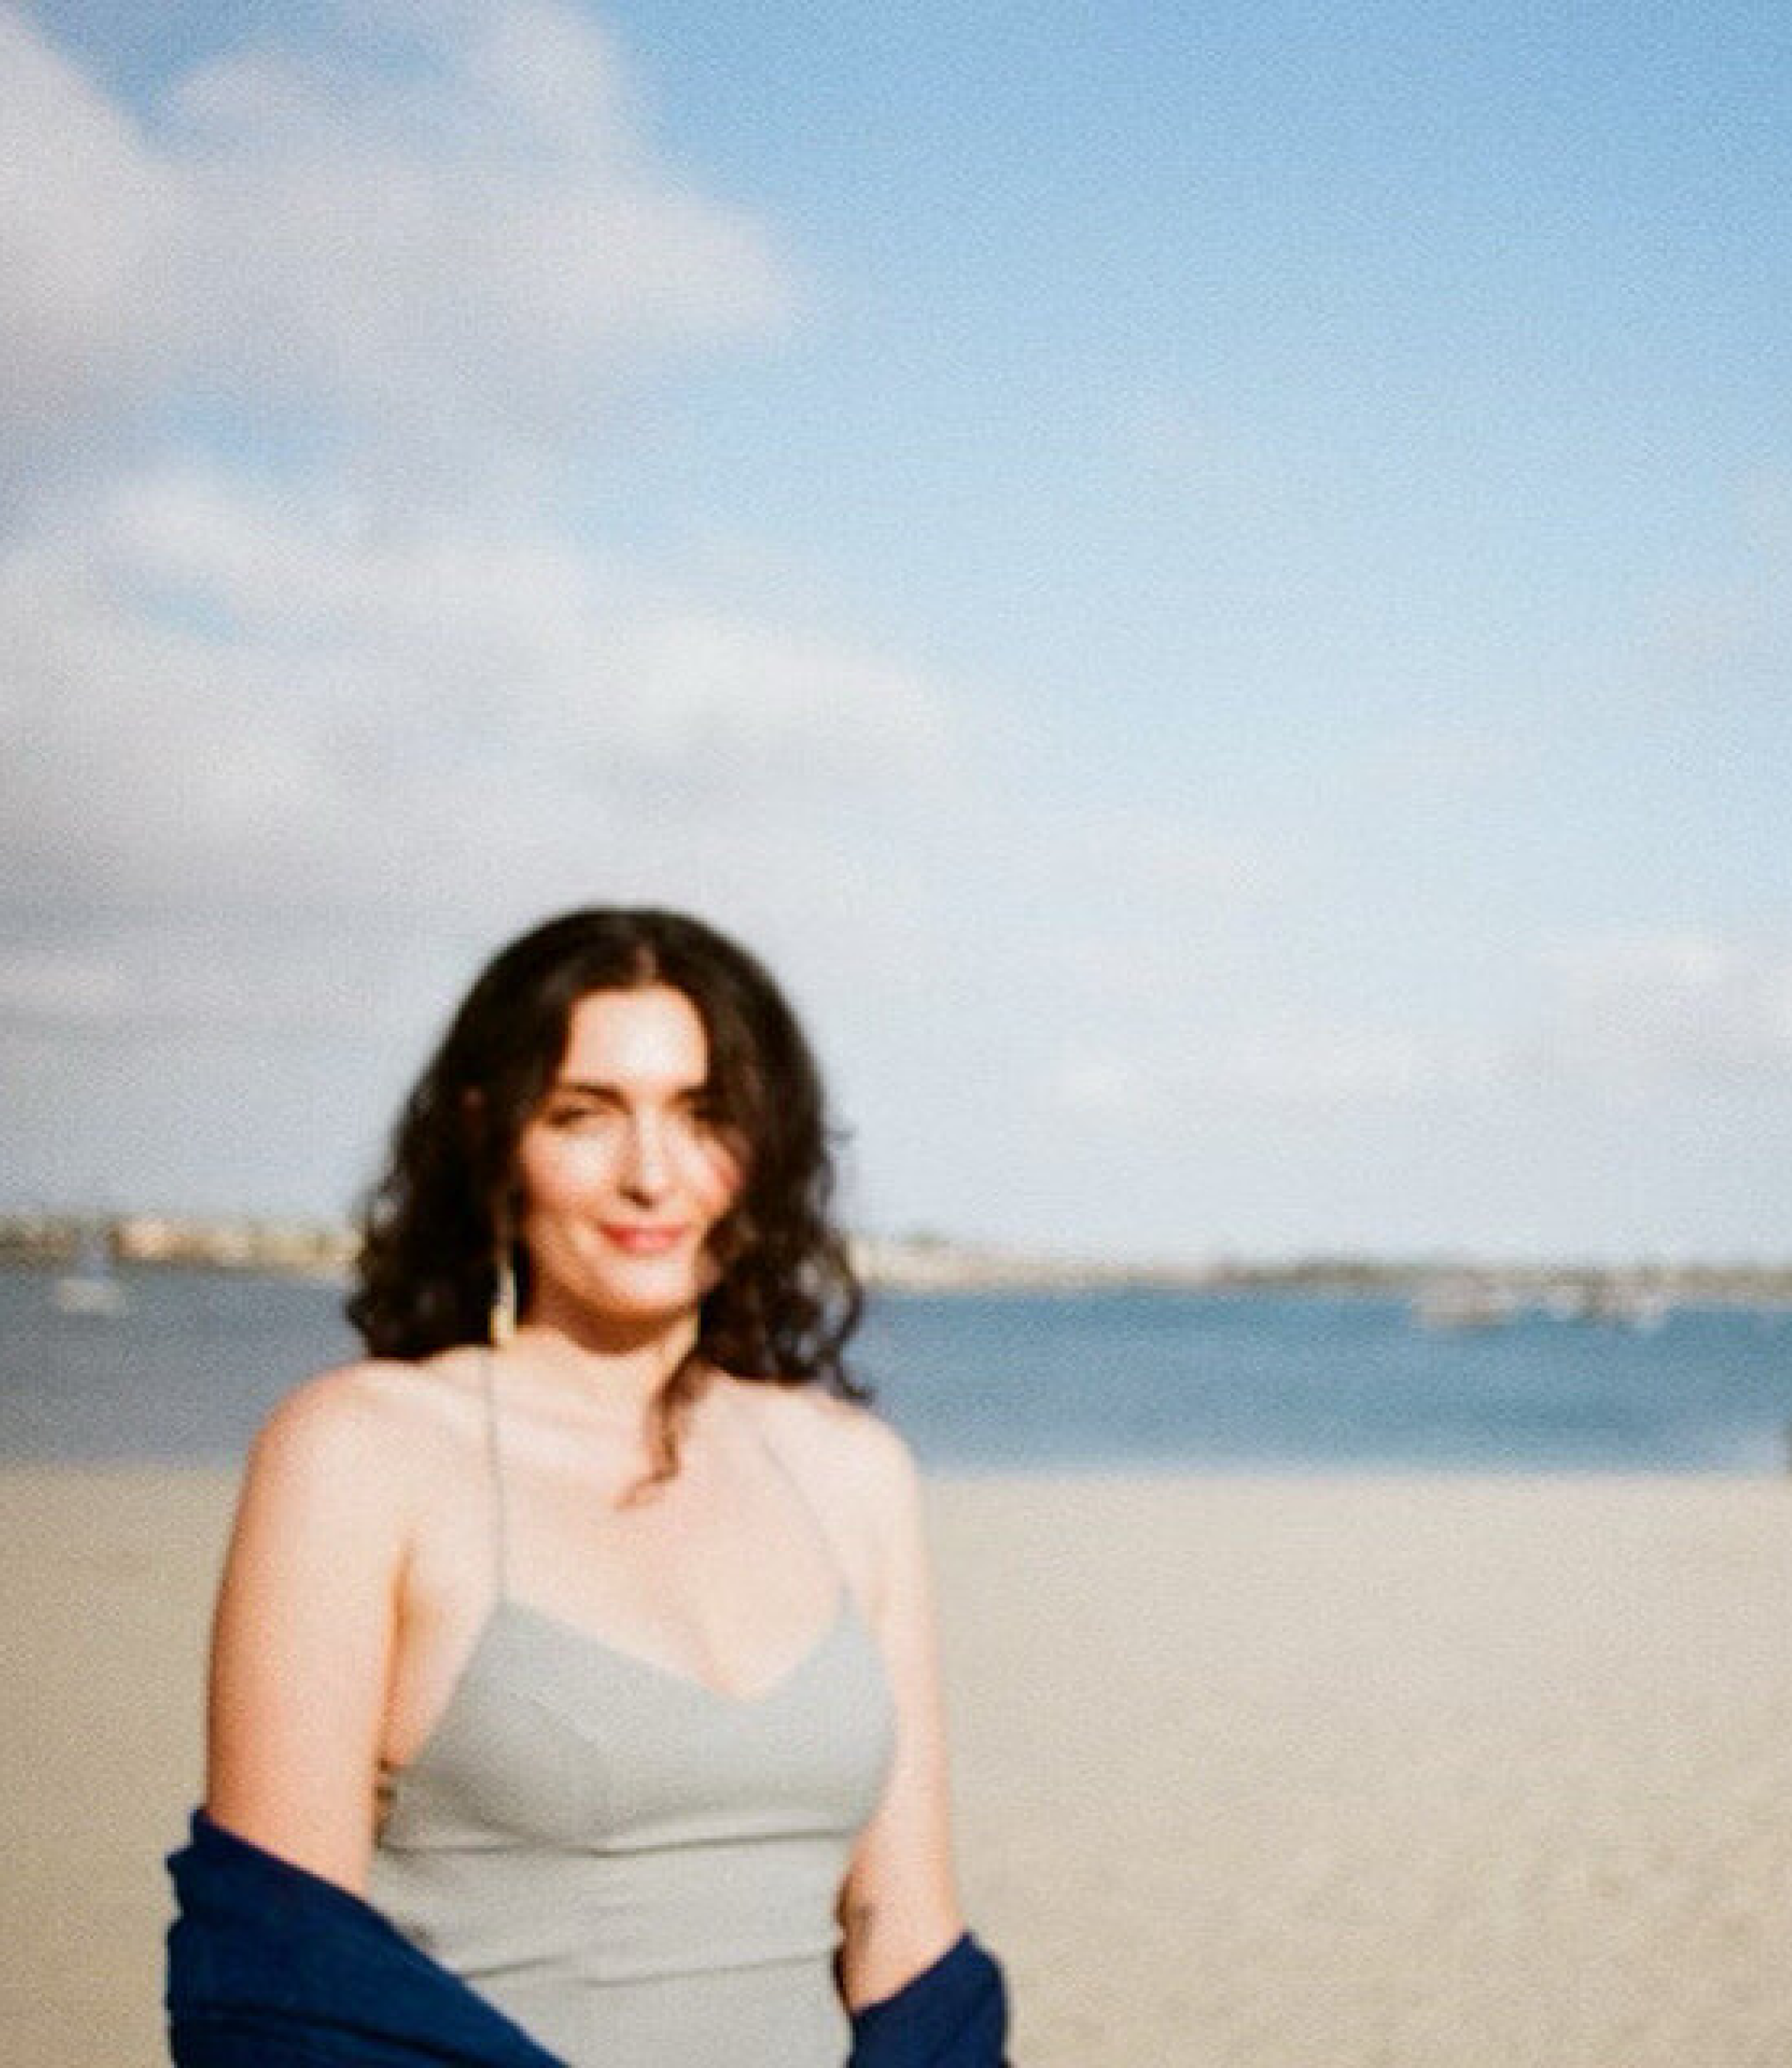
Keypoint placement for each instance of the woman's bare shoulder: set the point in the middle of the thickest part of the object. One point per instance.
(850, 1445)
(380, 1415)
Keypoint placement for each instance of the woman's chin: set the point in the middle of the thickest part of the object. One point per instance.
(637, 1299)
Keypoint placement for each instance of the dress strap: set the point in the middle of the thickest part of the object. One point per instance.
(830, 1549)
(488, 1386)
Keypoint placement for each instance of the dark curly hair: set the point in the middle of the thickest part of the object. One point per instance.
(786, 1298)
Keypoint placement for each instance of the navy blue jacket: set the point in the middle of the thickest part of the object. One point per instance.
(270, 1966)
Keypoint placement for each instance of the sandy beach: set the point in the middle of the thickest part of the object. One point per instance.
(1369, 1773)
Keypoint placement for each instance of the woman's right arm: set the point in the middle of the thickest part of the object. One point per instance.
(303, 1635)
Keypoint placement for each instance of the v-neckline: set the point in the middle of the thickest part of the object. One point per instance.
(564, 1630)
(563, 1627)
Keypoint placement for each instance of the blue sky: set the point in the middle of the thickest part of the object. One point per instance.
(1213, 587)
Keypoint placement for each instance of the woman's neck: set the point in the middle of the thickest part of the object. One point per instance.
(614, 1366)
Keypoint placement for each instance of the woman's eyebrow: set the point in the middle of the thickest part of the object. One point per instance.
(598, 1088)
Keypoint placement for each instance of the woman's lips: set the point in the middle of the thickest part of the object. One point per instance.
(641, 1241)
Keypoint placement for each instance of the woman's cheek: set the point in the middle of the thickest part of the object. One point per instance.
(564, 1172)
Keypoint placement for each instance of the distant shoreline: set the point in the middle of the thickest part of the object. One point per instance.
(1452, 1291)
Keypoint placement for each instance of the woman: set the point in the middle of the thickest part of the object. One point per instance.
(584, 1630)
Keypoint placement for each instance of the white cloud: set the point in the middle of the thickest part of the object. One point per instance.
(86, 212)
(1272, 1068)
(171, 978)
(1343, 1066)
(1635, 1016)
(257, 724)
(468, 240)
(1614, 1022)
(1093, 1088)
(51, 987)
(221, 697)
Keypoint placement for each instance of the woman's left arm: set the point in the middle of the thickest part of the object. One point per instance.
(899, 1907)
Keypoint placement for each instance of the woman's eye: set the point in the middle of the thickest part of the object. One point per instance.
(572, 1116)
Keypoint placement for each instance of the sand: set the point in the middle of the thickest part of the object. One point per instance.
(1250, 1774)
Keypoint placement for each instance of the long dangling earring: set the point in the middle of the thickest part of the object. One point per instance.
(501, 1320)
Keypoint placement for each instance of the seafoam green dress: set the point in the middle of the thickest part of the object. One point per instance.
(640, 1871)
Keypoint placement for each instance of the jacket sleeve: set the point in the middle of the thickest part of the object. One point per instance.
(953, 2014)
(270, 1966)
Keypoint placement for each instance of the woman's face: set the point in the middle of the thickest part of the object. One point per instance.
(623, 1176)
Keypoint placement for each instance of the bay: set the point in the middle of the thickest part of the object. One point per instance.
(1127, 1380)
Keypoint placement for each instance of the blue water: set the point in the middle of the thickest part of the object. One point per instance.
(1136, 1380)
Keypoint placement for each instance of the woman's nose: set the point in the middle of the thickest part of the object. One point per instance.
(645, 1166)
